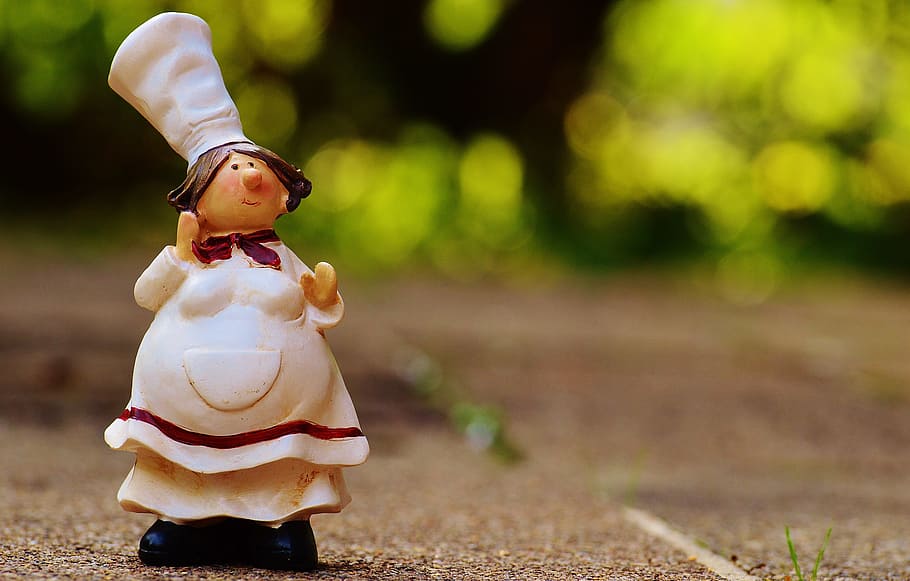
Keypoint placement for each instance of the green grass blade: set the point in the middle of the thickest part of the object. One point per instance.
(821, 554)
(793, 557)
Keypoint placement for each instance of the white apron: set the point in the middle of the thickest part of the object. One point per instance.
(238, 408)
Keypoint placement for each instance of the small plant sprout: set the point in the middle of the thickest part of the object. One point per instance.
(818, 559)
(483, 426)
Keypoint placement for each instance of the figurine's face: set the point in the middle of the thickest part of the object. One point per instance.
(245, 196)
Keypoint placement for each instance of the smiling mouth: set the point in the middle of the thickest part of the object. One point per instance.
(246, 202)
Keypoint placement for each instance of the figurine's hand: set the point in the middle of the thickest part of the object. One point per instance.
(320, 290)
(187, 232)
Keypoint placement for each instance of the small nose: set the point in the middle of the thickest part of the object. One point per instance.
(251, 178)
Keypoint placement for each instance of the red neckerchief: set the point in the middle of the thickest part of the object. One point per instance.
(220, 247)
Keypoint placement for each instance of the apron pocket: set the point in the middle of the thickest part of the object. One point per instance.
(231, 380)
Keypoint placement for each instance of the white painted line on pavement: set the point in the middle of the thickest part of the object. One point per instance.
(660, 529)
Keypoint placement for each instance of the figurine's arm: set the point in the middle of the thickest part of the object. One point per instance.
(166, 273)
(160, 280)
(323, 302)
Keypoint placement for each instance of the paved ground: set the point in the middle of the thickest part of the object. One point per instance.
(728, 422)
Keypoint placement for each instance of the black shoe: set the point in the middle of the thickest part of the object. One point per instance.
(167, 543)
(291, 547)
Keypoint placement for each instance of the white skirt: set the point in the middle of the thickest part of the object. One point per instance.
(273, 493)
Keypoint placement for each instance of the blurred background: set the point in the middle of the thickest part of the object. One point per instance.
(655, 247)
(754, 139)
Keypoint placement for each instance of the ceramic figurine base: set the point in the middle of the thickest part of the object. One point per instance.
(239, 417)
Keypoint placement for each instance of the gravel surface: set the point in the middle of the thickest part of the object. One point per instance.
(728, 421)
(731, 422)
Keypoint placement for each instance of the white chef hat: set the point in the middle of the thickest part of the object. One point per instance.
(167, 71)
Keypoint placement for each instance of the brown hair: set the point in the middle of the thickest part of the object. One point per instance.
(186, 196)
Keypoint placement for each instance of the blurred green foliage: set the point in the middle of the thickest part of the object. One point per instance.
(754, 113)
(479, 136)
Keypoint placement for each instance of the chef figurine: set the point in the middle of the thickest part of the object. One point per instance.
(239, 418)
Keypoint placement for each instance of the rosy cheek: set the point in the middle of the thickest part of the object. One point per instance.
(231, 186)
(232, 179)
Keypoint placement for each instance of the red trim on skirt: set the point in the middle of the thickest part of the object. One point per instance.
(184, 436)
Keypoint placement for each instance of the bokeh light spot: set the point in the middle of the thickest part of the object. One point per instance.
(794, 176)
(461, 24)
(748, 277)
(400, 212)
(590, 120)
(286, 33)
(490, 177)
(491, 174)
(268, 109)
(824, 89)
(345, 172)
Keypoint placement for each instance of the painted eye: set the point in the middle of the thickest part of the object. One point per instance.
(250, 163)
(235, 167)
